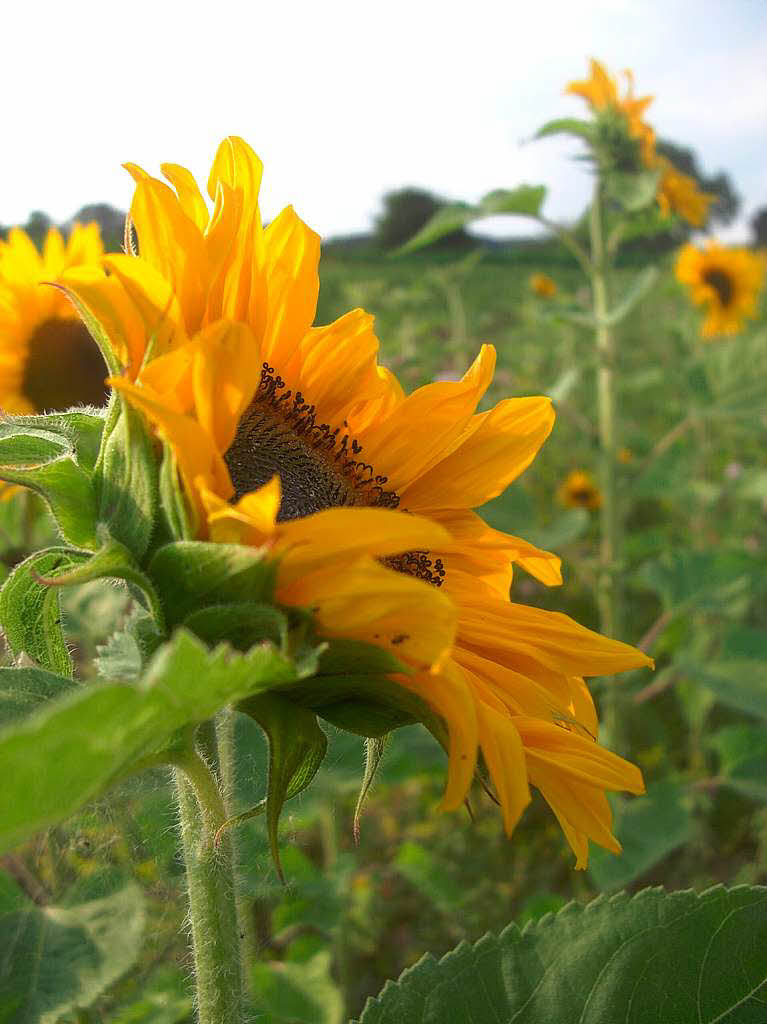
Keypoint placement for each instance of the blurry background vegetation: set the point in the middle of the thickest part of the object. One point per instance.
(695, 486)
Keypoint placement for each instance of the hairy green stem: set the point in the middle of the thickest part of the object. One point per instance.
(608, 584)
(211, 888)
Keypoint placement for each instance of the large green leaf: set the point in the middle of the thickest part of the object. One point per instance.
(525, 200)
(24, 690)
(56, 959)
(444, 222)
(31, 613)
(634, 191)
(656, 958)
(740, 683)
(742, 751)
(649, 828)
(568, 126)
(97, 734)
(636, 291)
(77, 431)
(191, 575)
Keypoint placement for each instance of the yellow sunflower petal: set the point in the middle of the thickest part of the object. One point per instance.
(189, 196)
(494, 449)
(226, 372)
(505, 758)
(252, 520)
(154, 299)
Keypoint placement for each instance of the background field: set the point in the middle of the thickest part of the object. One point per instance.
(696, 596)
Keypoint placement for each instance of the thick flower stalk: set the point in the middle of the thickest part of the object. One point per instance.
(293, 439)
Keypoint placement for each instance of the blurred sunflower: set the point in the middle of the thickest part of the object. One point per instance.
(293, 438)
(579, 490)
(543, 286)
(677, 192)
(726, 281)
(48, 360)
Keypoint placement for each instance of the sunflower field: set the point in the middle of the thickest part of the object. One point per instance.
(386, 628)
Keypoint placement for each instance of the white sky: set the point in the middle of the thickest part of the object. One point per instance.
(346, 100)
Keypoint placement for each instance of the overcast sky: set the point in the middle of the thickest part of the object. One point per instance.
(346, 100)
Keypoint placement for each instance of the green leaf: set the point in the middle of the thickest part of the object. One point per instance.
(298, 993)
(297, 748)
(444, 222)
(649, 828)
(31, 613)
(164, 999)
(78, 430)
(23, 690)
(241, 625)
(45, 462)
(195, 574)
(424, 872)
(634, 191)
(740, 683)
(656, 957)
(639, 287)
(126, 652)
(128, 482)
(525, 200)
(710, 580)
(96, 735)
(56, 959)
(568, 126)
(742, 751)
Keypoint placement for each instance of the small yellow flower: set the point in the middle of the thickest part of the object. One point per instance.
(725, 281)
(543, 286)
(292, 438)
(48, 360)
(579, 490)
(677, 192)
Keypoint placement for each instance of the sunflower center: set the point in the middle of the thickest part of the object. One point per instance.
(63, 367)
(319, 467)
(582, 495)
(721, 283)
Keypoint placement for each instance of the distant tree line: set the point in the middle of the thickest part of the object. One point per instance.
(109, 219)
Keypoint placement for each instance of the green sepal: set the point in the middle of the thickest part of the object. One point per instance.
(175, 512)
(190, 575)
(127, 478)
(24, 690)
(112, 561)
(94, 736)
(31, 613)
(297, 748)
(46, 462)
(633, 190)
(81, 428)
(568, 126)
(353, 691)
(374, 751)
(242, 625)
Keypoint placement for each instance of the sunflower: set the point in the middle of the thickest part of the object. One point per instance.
(677, 192)
(48, 360)
(293, 438)
(726, 281)
(579, 490)
(543, 286)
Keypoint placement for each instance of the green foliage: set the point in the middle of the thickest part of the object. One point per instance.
(658, 956)
(58, 959)
(297, 748)
(298, 993)
(31, 613)
(96, 735)
(24, 690)
(406, 211)
(191, 575)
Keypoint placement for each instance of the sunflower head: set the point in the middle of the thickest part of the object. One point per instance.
(726, 282)
(48, 359)
(579, 490)
(291, 439)
(542, 286)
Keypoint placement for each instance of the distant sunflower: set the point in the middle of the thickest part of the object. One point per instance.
(48, 360)
(543, 286)
(293, 438)
(677, 193)
(726, 281)
(579, 490)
